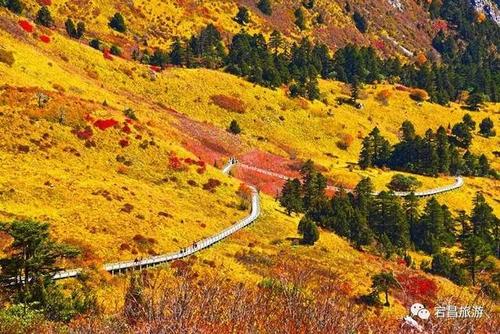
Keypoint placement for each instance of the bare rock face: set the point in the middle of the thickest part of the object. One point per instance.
(489, 7)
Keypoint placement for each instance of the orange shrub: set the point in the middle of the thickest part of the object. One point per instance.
(345, 141)
(419, 95)
(383, 96)
(421, 59)
(229, 103)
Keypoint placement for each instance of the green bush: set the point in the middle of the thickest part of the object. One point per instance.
(44, 18)
(117, 22)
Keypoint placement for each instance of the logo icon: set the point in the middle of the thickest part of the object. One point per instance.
(417, 312)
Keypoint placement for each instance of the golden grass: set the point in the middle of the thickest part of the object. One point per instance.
(57, 186)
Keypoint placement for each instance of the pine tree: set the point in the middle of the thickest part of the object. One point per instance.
(486, 128)
(469, 122)
(343, 214)
(177, 52)
(70, 28)
(300, 20)
(234, 127)
(431, 230)
(80, 30)
(367, 153)
(411, 208)
(482, 219)
(388, 218)
(474, 101)
(276, 41)
(265, 7)
(30, 261)
(243, 16)
(15, 6)
(443, 150)
(474, 254)
(313, 185)
(360, 22)
(309, 231)
(462, 134)
(117, 22)
(44, 18)
(484, 166)
(290, 197)
(384, 282)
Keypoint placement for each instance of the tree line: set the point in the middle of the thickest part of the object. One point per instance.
(393, 225)
(435, 153)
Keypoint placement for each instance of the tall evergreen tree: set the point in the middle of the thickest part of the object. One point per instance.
(177, 52)
(290, 197)
(443, 150)
(31, 261)
(431, 230)
(384, 282)
(243, 16)
(44, 18)
(117, 22)
(474, 253)
(309, 231)
(486, 127)
(265, 7)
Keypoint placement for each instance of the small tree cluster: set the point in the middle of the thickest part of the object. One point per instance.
(117, 22)
(74, 31)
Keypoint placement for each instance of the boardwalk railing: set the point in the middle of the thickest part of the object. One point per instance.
(118, 267)
(459, 182)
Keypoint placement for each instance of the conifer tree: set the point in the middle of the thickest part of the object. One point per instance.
(177, 52)
(234, 127)
(265, 7)
(300, 20)
(243, 16)
(31, 260)
(290, 197)
(15, 6)
(309, 231)
(70, 28)
(443, 150)
(384, 282)
(44, 18)
(80, 29)
(486, 127)
(431, 230)
(117, 22)
(474, 253)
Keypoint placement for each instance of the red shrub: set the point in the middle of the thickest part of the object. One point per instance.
(124, 143)
(45, 38)
(402, 88)
(28, 27)
(229, 103)
(175, 163)
(379, 44)
(107, 55)
(45, 2)
(88, 118)
(211, 184)
(104, 124)
(201, 170)
(126, 129)
(85, 134)
(418, 287)
(440, 25)
(155, 68)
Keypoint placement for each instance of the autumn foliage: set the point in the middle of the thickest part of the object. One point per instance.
(229, 103)
(419, 95)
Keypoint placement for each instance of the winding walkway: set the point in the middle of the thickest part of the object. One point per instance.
(459, 182)
(119, 267)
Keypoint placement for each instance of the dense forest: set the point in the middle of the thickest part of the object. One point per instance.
(391, 225)
(436, 153)
(468, 54)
